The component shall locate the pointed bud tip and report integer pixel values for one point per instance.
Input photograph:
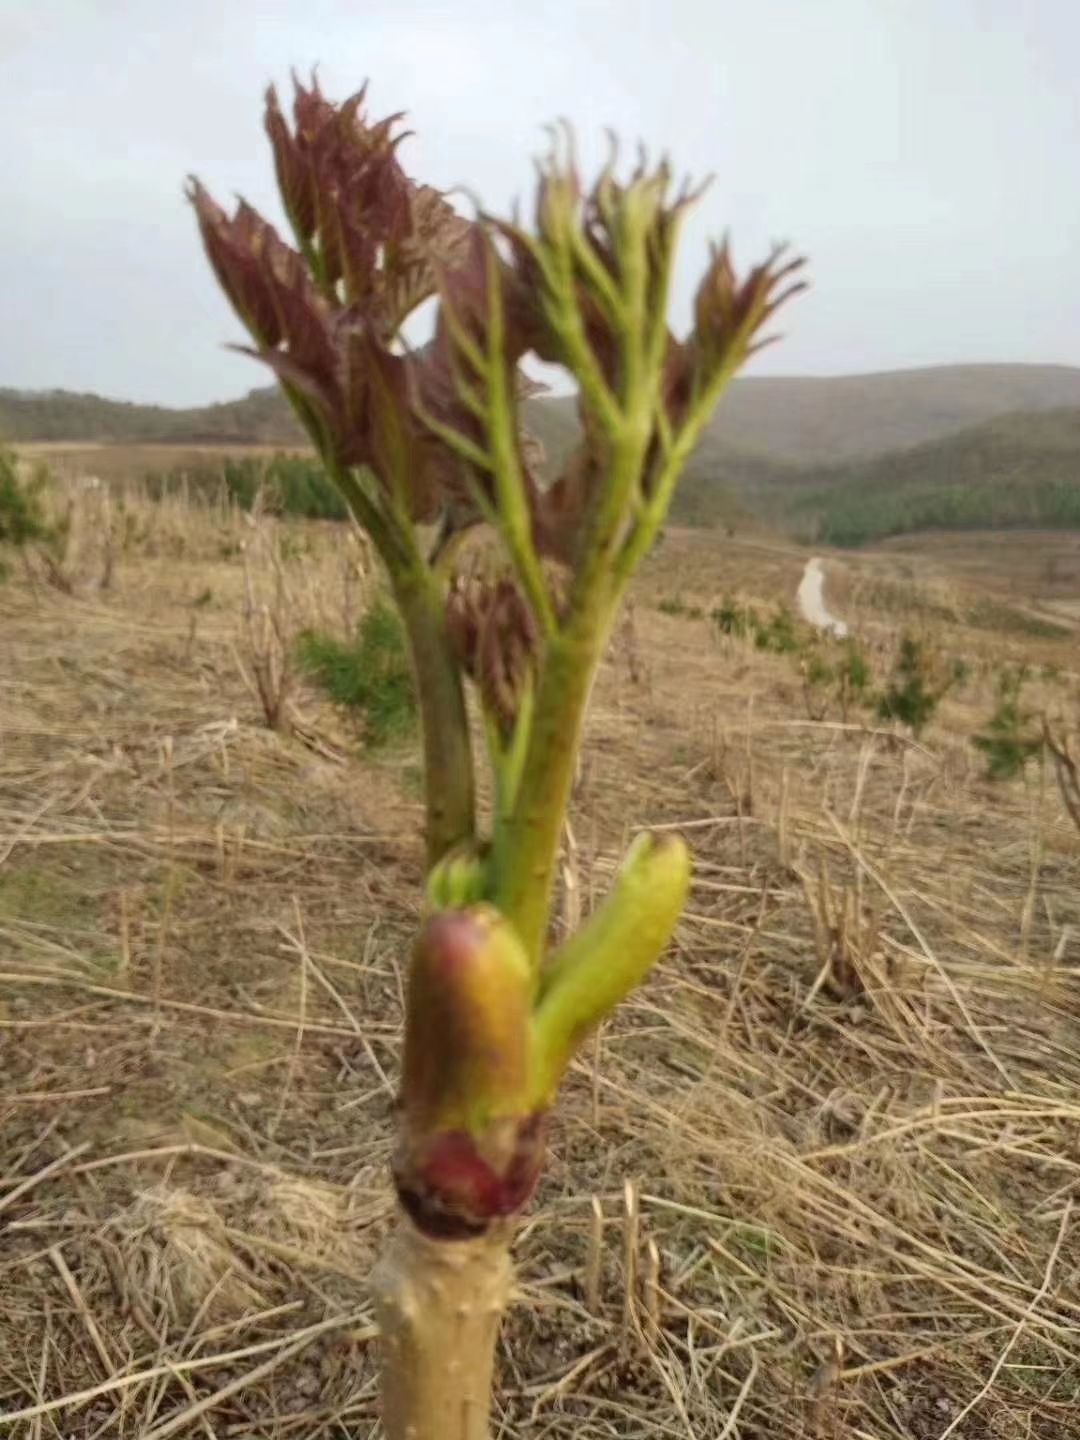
(453, 940)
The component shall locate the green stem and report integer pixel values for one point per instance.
(502, 430)
(527, 847)
(448, 759)
(641, 371)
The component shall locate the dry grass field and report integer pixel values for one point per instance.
(817, 1180)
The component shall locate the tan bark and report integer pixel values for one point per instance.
(438, 1304)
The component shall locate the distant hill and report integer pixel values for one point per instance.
(844, 460)
(261, 417)
(1014, 469)
(1017, 471)
(803, 419)
(808, 419)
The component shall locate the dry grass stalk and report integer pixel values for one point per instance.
(1037, 849)
(72, 1288)
(650, 1291)
(266, 662)
(628, 648)
(846, 937)
(631, 1242)
(302, 1004)
(594, 1256)
(570, 874)
(783, 837)
(1066, 771)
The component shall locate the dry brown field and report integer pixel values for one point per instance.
(825, 1163)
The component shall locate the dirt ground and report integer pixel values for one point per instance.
(825, 1162)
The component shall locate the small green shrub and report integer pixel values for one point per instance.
(853, 678)
(22, 510)
(919, 682)
(25, 524)
(370, 674)
(779, 634)
(299, 486)
(289, 485)
(818, 677)
(1009, 741)
(840, 675)
(732, 618)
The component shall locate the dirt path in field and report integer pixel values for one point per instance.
(811, 600)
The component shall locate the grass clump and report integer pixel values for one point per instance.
(22, 509)
(731, 617)
(840, 675)
(777, 634)
(25, 523)
(675, 605)
(284, 485)
(852, 677)
(919, 682)
(1009, 740)
(369, 673)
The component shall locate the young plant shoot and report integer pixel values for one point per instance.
(432, 437)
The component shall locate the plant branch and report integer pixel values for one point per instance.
(515, 521)
(676, 453)
(563, 315)
(448, 758)
(645, 255)
(508, 759)
(527, 849)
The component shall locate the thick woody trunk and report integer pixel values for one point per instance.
(438, 1304)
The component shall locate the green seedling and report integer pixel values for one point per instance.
(432, 437)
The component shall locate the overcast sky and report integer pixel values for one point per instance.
(925, 154)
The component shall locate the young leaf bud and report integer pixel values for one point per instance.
(609, 956)
(471, 1146)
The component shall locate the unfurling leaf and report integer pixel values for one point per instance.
(496, 639)
(611, 954)
(268, 286)
(730, 313)
(354, 211)
(460, 877)
(325, 316)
